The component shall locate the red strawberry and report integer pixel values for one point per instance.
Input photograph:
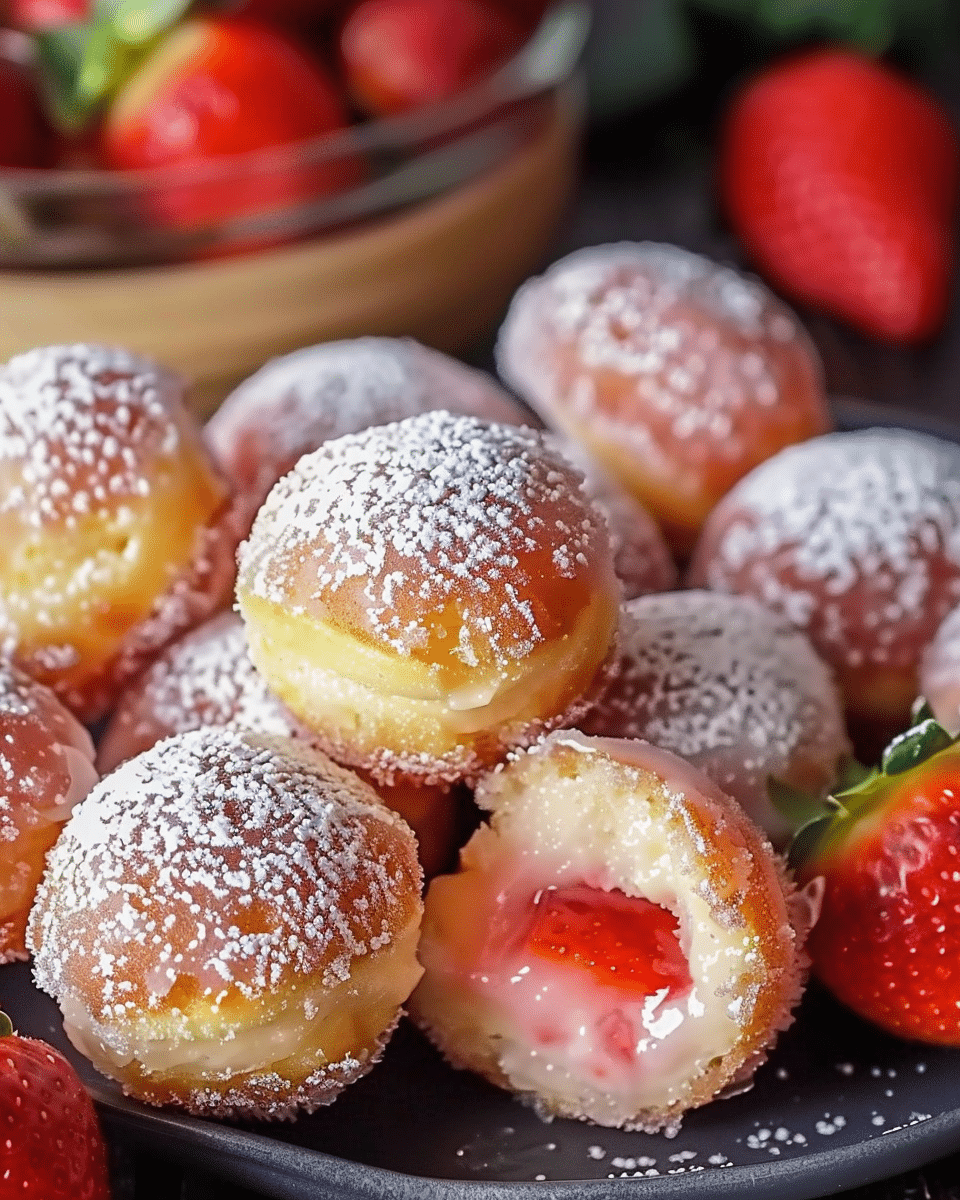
(51, 1148)
(47, 14)
(840, 177)
(221, 86)
(887, 943)
(399, 54)
(25, 138)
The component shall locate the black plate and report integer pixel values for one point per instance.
(839, 1104)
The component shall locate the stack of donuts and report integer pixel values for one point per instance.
(454, 630)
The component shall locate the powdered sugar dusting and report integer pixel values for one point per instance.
(729, 686)
(434, 513)
(854, 536)
(41, 747)
(236, 859)
(94, 442)
(204, 679)
(641, 557)
(46, 767)
(80, 423)
(702, 342)
(296, 403)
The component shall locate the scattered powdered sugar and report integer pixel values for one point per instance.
(294, 404)
(82, 425)
(89, 436)
(46, 767)
(44, 752)
(434, 513)
(701, 342)
(234, 859)
(729, 686)
(205, 679)
(641, 557)
(873, 515)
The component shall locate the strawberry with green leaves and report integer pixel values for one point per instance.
(219, 86)
(51, 1148)
(887, 943)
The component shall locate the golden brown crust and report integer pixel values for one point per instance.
(678, 374)
(222, 897)
(426, 595)
(46, 767)
(580, 809)
(116, 524)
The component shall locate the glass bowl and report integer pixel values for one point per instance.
(438, 216)
(87, 219)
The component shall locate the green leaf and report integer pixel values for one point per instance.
(915, 746)
(920, 710)
(104, 60)
(852, 776)
(60, 54)
(6, 1026)
(792, 803)
(637, 52)
(137, 22)
(807, 839)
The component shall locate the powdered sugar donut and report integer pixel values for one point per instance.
(296, 403)
(733, 689)
(426, 595)
(678, 374)
(620, 943)
(641, 557)
(46, 767)
(229, 924)
(115, 523)
(204, 679)
(207, 679)
(855, 539)
(940, 672)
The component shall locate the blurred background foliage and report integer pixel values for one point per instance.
(642, 50)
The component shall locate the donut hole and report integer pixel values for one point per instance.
(617, 944)
(241, 925)
(46, 766)
(678, 374)
(426, 596)
(360, 700)
(92, 581)
(216, 1053)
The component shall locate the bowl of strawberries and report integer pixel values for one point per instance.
(215, 184)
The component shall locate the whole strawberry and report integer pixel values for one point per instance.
(219, 86)
(51, 1148)
(399, 54)
(887, 943)
(840, 177)
(46, 14)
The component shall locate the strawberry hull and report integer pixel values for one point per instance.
(888, 940)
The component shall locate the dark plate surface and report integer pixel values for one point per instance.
(839, 1104)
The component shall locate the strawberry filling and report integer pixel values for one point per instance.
(622, 941)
